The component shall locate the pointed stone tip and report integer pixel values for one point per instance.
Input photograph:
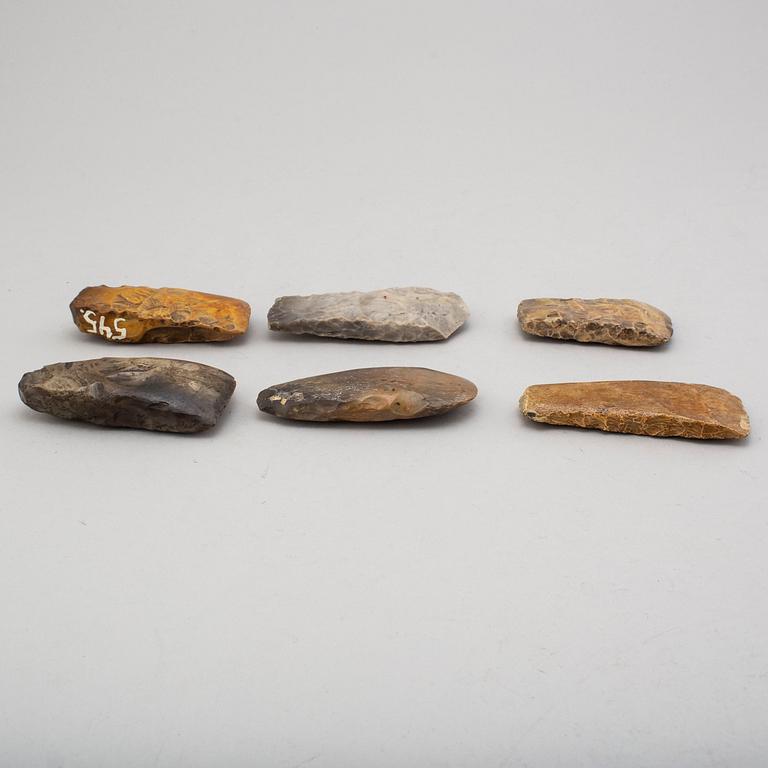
(744, 428)
(265, 402)
(22, 387)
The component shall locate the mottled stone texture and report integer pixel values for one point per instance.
(392, 314)
(368, 394)
(606, 321)
(656, 408)
(142, 392)
(132, 314)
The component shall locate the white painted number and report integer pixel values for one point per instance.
(104, 330)
(88, 317)
(115, 333)
(120, 330)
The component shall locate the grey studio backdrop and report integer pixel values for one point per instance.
(471, 591)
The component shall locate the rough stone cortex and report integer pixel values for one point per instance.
(607, 321)
(656, 408)
(392, 314)
(142, 392)
(135, 314)
(368, 394)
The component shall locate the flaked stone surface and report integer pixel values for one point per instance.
(656, 408)
(133, 314)
(142, 392)
(368, 394)
(625, 322)
(392, 314)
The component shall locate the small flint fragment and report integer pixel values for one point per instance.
(392, 314)
(141, 392)
(134, 314)
(623, 322)
(368, 394)
(655, 408)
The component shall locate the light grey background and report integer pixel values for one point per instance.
(476, 591)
